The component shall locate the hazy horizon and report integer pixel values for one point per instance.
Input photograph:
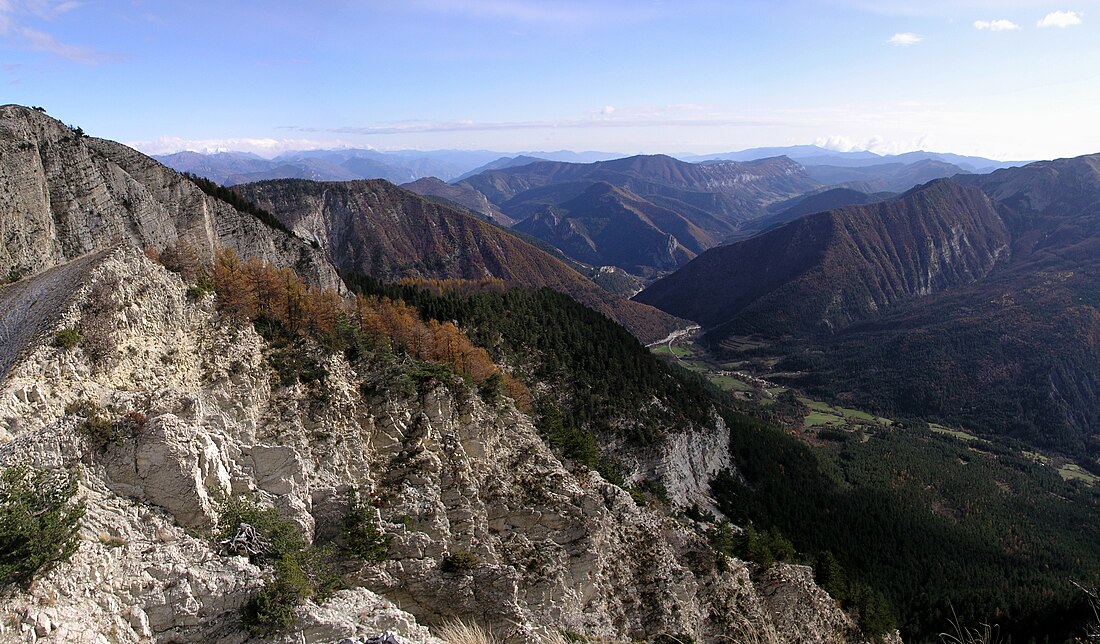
(1002, 80)
(675, 154)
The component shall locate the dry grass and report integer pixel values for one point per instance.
(964, 635)
(457, 632)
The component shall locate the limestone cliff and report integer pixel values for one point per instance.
(548, 549)
(63, 194)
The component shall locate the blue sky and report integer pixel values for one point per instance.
(1008, 79)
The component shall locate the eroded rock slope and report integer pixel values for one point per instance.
(547, 548)
(65, 195)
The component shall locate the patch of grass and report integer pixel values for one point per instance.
(463, 633)
(955, 433)
(729, 383)
(678, 351)
(816, 418)
(1074, 472)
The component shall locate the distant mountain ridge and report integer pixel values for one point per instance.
(982, 312)
(825, 271)
(812, 155)
(609, 226)
(347, 164)
(887, 177)
(378, 229)
(501, 163)
(815, 202)
(459, 194)
(731, 192)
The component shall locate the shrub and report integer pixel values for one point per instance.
(100, 430)
(67, 338)
(273, 609)
(300, 571)
(94, 424)
(97, 321)
(281, 536)
(39, 522)
(459, 561)
(289, 354)
(764, 548)
(493, 388)
(182, 258)
(362, 537)
(200, 289)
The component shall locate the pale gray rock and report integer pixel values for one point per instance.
(486, 525)
(66, 196)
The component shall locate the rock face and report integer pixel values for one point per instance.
(486, 524)
(66, 195)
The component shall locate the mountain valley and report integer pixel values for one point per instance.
(321, 407)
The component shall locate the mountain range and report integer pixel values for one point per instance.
(206, 436)
(376, 229)
(347, 164)
(726, 199)
(291, 409)
(970, 300)
(813, 155)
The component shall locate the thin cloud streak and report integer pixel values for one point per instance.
(12, 18)
(41, 41)
(562, 14)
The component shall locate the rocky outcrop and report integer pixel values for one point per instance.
(486, 524)
(66, 195)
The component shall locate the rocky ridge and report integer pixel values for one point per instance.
(66, 194)
(552, 548)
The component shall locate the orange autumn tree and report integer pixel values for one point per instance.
(253, 289)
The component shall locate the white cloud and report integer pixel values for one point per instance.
(836, 144)
(263, 147)
(1061, 19)
(876, 144)
(996, 25)
(905, 39)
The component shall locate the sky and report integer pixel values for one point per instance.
(1004, 79)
